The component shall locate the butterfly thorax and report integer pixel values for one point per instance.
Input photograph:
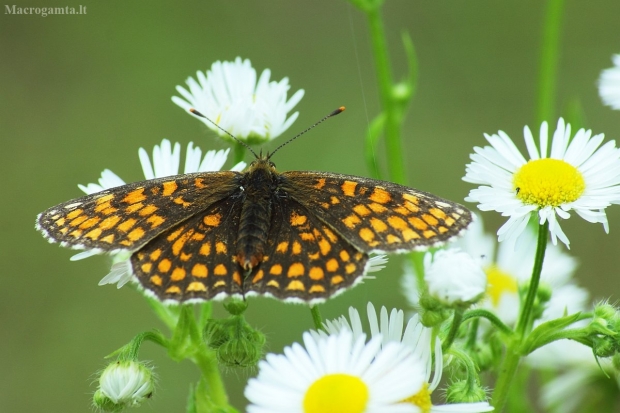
(258, 185)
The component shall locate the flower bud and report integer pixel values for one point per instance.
(432, 311)
(243, 351)
(462, 391)
(124, 384)
(236, 307)
(454, 277)
(605, 311)
(603, 347)
(235, 342)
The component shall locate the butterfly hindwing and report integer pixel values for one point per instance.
(305, 259)
(194, 259)
(377, 215)
(125, 217)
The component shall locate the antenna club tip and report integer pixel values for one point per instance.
(337, 111)
(195, 112)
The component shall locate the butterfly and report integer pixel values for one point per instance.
(297, 235)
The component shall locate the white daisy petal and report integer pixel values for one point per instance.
(609, 84)
(108, 180)
(531, 145)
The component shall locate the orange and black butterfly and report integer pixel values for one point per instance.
(296, 235)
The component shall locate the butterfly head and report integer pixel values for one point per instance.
(262, 162)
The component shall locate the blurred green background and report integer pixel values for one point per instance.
(82, 93)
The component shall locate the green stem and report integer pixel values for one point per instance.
(316, 317)
(238, 152)
(207, 363)
(480, 312)
(547, 77)
(370, 148)
(393, 144)
(473, 334)
(454, 329)
(524, 323)
(513, 352)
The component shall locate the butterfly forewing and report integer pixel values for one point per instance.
(125, 217)
(306, 259)
(377, 215)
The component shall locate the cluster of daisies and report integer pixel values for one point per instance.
(395, 365)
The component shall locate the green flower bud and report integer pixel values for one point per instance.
(462, 391)
(603, 347)
(235, 342)
(242, 352)
(432, 311)
(605, 311)
(216, 333)
(236, 307)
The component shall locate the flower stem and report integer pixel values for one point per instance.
(394, 151)
(238, 152)
(207, 363)
(316, 317)
(513, 352)
(524, 323)
(456, 323)
(547, 76)
(481, 312)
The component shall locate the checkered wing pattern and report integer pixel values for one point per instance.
(194, 260)
(306, 259)
(128, 216)
(376, 215)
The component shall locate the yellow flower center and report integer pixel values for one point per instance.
(548, 182)
(336, 393)
(498, 283)
(422, 399)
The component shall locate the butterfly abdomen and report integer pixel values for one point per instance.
(255, 217)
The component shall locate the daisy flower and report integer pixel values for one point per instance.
(166, 162)
(230, 96)
(336, 374)
(508, 267)
(416, 337)
(578, 174)
(609, 84)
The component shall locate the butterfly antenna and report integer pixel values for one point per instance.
(334, 113)
(195, 112)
